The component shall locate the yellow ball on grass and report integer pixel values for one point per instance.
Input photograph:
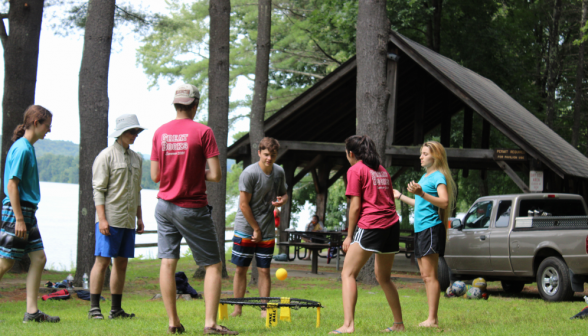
(281, 274)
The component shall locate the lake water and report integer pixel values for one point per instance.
(58, 222)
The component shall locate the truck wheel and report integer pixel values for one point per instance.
(443, 274)
(553, 280)
(512, 287)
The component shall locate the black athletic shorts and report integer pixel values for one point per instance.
(430, 241)
(383, 241)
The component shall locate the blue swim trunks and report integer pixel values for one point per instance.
(120, 243)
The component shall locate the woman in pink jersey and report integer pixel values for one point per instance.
(373, 212)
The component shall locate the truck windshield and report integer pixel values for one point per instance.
(553, 207)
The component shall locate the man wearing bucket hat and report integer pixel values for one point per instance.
(181, 150)
(116, 180)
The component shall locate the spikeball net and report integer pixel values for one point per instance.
(271, 304)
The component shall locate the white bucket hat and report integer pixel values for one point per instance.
(124, 123)
(185, 94)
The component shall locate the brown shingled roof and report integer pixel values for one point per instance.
(500, 109)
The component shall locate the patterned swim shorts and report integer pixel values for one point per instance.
(11, 246)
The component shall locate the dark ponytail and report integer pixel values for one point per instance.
(364, 149)
(32, 113)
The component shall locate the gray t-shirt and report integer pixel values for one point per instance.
(263, 189)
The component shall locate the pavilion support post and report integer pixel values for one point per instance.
(446, 131)
(286, 211)
(246, 161)
(419, 117)
(468, 123)
(485, 145)
(511, 173)
(391, 78)
(322, 182)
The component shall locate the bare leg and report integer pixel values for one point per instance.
(383, 269)
(428, 266)
(118, 274)
(5, 266)
(38, 260)
(97, 274)
(239, 287)
(167, 283)
(354, 261)
(264, 285)
(212, 289)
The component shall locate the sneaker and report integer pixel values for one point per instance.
(95, 314)
(39, 316)
(119, 314)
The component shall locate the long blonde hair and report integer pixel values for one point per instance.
(440, 164)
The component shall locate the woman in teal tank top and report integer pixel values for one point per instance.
(434, 200)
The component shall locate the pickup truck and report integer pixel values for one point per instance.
(521, 239)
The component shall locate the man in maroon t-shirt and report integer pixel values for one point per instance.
(181, 149)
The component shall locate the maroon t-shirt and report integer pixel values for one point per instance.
(181, 147)
(378, 210)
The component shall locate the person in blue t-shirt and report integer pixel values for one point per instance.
(434, 199)
(20, 234)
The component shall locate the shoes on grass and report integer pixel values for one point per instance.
(39, 316)
(176, 330)
(95, 314)
(114, 314)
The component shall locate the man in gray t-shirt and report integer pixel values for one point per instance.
(262, 187)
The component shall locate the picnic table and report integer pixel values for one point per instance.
(316, 241)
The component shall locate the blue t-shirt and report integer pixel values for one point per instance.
(21, 162)
(426, 215)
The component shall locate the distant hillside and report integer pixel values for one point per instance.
(56, 147)
(59, 162)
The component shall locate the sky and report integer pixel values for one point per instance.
(60, 59)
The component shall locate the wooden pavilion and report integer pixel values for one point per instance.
(427, 89)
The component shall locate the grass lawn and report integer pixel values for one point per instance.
(525, 314)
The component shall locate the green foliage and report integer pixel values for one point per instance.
(336, 206)
(146, 181)
(76, 13)
(233, 184)
(310, 38)
(58, 168)
(57, 147)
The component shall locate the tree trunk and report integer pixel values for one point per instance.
(579, 79)
(256, 130)
(434, 25)
(218, 111)
(264, 30)
(372, 94)
(552, 64)
(21, 55)
(93, 104)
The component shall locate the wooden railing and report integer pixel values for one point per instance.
(155, 244)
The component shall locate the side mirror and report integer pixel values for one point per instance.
(456, 224)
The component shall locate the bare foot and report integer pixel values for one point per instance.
(263, 313)
(429, 324)
(394, 328)
(235, 313)
(343, 330)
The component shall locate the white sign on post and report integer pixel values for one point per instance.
(536, 181)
